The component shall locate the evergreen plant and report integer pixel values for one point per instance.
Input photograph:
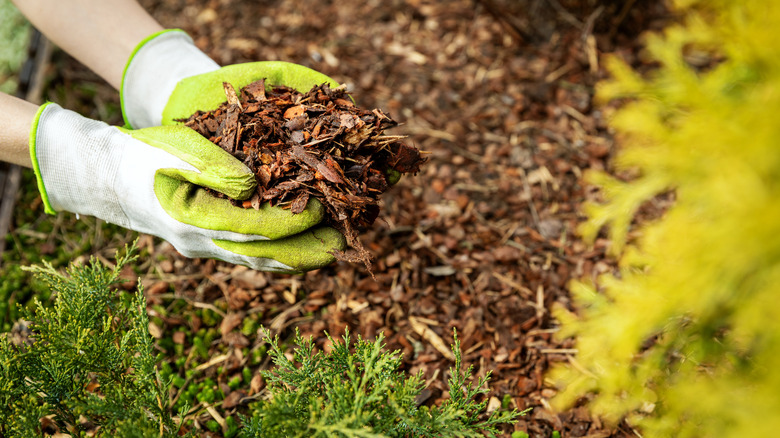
(359, 391)
(89, 366)
(89, 363)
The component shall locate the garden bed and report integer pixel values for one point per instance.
(482, 239)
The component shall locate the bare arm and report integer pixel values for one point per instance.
(16, 116)
(101, 34)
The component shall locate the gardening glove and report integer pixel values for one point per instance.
(151, 180)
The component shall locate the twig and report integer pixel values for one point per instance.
(540, 302)
(208, 306)
(215, 360)
(558, 73)
(590, 41)
(429, 335)
(506, 20)
(559, 350)
(531, 206)
(512, 283)
(215, 415)
(280, 321)
(587, 29)
(579, 367)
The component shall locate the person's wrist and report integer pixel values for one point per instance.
(154, 68)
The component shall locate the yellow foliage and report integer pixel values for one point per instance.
(685, 341)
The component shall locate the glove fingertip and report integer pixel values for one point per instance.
(303, 252)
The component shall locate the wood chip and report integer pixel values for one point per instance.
(231, 321)
(429, 335)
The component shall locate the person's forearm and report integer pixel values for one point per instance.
(16, 116)
(99, 33)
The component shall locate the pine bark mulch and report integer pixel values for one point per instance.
(316, 144)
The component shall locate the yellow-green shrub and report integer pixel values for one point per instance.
(685, 339)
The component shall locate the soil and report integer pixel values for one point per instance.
(484, 238)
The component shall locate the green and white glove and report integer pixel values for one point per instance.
(151, 180)
(168, 78)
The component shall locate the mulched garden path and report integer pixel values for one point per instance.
(483, 239)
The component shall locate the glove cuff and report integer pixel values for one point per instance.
(75, 164)
(156, 65)
(34, 157)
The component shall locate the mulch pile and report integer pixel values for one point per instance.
(316, 144)
(484, 238)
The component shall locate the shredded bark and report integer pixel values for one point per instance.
(317, 144)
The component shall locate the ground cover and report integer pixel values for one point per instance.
(482, 239)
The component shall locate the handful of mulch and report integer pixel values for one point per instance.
(312, 145)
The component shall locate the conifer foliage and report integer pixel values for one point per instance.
(89, 362)
(359, 391)
(684, 339)
(89, 366)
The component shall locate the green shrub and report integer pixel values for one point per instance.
(90, 361)
(90, 366)
(684, 339)
(362, 393)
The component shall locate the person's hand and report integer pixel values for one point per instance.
(168, 78)
(151, 180)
